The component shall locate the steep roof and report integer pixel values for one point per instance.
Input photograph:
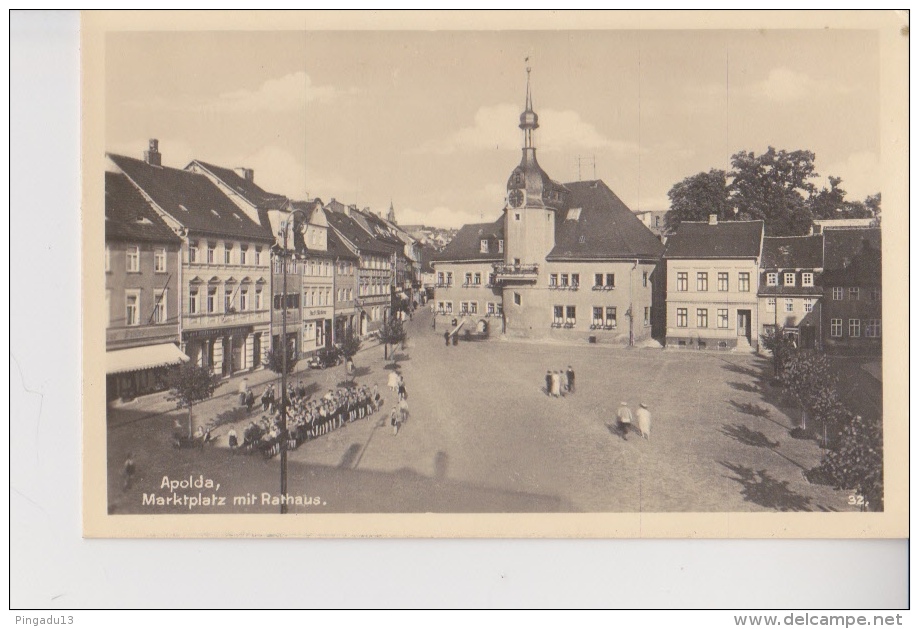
(337, 248)
(467, 244)
(246, 188)
(792, 252)
(727, 239)
(351, 231)
(597, 225)
(191, 199)
(842, 246)
(128, 216)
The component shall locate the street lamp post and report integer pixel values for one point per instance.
(285, 256)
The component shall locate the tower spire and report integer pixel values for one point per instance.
(529, 121)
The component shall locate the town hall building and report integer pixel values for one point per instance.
(568, 261)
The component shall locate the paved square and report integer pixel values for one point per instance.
(483, 437)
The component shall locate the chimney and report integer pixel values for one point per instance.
(712, 219)
(246, 173)
(152, 155)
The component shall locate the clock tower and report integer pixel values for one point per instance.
(532, 200)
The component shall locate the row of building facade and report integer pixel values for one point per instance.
(569, 261)
(203, 264)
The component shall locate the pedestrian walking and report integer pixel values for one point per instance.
(548, 382)
(563, 377)
(403, 411)
(129, 470)
(570, 374)
(232, 439)
(250, 401)
(243, 390)
(644, 421)
(447, 338)
(556, 385)
(394, 420)
(624, 417)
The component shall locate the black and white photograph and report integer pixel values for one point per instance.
(649, 278)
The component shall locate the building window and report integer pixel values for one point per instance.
(598, 316)
(192, 252)
(243, 253)
(598, 280)
(701, 317)
(108, 259)
(159, 260)
(131, 307)
(440, 278)
(193, 301)
(449, 278)
(473, 307)
(874, 293)
(723, 316)
(211, 253)
(570, 315)
(789, 305)
(500, 246)
(611, 316)
(873, 328)
(558, 315)
(772, 279)
(808, 304)
(243, 298)
(723, 282)
(258, 256)
(464, 307)
(682, 281)
(837, 293)
(228, 299)
(682, 317)
(807, 279)
(611, 280)
(553, 279)
(227, 253)
(770, 304)
(483, 246)
(836, 328)
(855, 328)
(477, 279)
(564, 280)
(853, 293)
(647, 315)
(490, 308)
(259, 304)
(468, 279)
(212, 299)
(789, 279)
(702, 281)
(743, 282)
(516, 216)
(159, 309)
(132, 259)
(575, 280)
(517, 299)
(644, 279)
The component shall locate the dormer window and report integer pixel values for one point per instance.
(483, 247)
(574, 214)
(789, 279)
(772, 279)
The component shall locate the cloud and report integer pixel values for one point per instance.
(290, 92)
(784, 85)
(496, 127)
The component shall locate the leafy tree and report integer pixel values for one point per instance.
(350, 344)
(189, 384)
(696, 197)
(807, 376)
(831, 203)
(391, 333)
(857, 463)
(274, 359)
(782, 347)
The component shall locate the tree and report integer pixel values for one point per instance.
(350, 345)
(857, 462)
(274, 359)
(696, 197)
(781, 345)
(189, 384)
(391, 333)
(807, 376)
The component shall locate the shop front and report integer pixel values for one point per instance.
(225, 350)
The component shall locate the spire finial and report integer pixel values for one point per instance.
(529, 104)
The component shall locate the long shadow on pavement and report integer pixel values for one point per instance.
(760, 488)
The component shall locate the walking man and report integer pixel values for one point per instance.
(570, 374)
(548, 382)
(447, 338)
(624, 416)
(129, 470)
(644, 421)
(394, 420)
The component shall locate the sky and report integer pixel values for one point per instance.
(428, 120)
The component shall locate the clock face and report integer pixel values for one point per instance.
(515, 198)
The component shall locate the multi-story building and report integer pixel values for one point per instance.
(712, 271)
(655, 221)
(375, 270)
(465, 283)
(852, 290)
(141, 292)
(225, 274)
(576, 263)
(790, 288)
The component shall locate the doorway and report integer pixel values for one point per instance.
(743, 324)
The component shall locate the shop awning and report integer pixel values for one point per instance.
(138, 358)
